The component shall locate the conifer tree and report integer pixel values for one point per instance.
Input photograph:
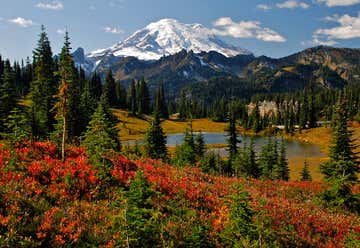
(305, 173)
(268, 159)
(143, 98)
(185, 154)
(200, 145)
(98, 139)
(160, 102)
(281, 170)
(87, 105)
(155, 140)
(68, 78)
(110, 89)
(17, 126)
(232, 137)
(7, 94)
(132, 97)
(121, 95)
(43, 88)
(342, 168)
(95, 87)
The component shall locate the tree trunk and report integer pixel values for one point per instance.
(63, 140)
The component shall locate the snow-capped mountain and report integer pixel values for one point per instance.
(167, 37)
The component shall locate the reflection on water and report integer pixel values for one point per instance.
(294, 148)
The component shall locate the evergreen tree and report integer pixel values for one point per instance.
(281, 170)
(17, 126)
(268, 159)
(199, 145)
(110, 89)
(87, 105)
(43, 88)
(245, 162)
(160, 103)
(185, 154)
(7, 94)
(95, 87)
(121, 95)
(342, 168)
(305, 173)
(141, 216)
(255, 119)
(63, 106)
(98, 139)
(132, 97)
(155, 140)
(143, 98)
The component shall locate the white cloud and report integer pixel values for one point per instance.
(51, 6)
(333, 3)
(113, 30)
(263, 7)
(225, 26)
(292, 4)
(22, 22)
(348, 28)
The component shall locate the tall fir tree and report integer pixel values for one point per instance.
(7, 94)
(66, 89)
(17, 127)
(232, 142)
(132, 97)
(110, 89)
(200, 148)
(155, 140)
(143, 98)
(160, 102)
(305, 175)
(342, 168)
(121, 95)
(43, 88)
(95, 87)
(98, 139)
(281, 169)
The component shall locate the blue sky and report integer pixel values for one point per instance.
(274, 28)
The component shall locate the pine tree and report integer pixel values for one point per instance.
(155, 140)
(185, 154)
(143, 98)
(232, 137)
(305, 173)
(268, 159)
(132, 97)
(87, 105)
(63, 106)
(160, 103)
(43, 88)
(17, 126)
(7, 94)
(95, 87)
(199, 145)
(121, 96)
(110, 89)
(255, 119)
(281, 170)
(98, 139)
(342, 168)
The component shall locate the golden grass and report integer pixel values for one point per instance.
(133, 128)
(296, 165)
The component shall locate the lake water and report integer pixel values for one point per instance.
(294, 148)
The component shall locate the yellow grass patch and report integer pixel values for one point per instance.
(133, 128)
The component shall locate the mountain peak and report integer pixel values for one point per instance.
(167, 37)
